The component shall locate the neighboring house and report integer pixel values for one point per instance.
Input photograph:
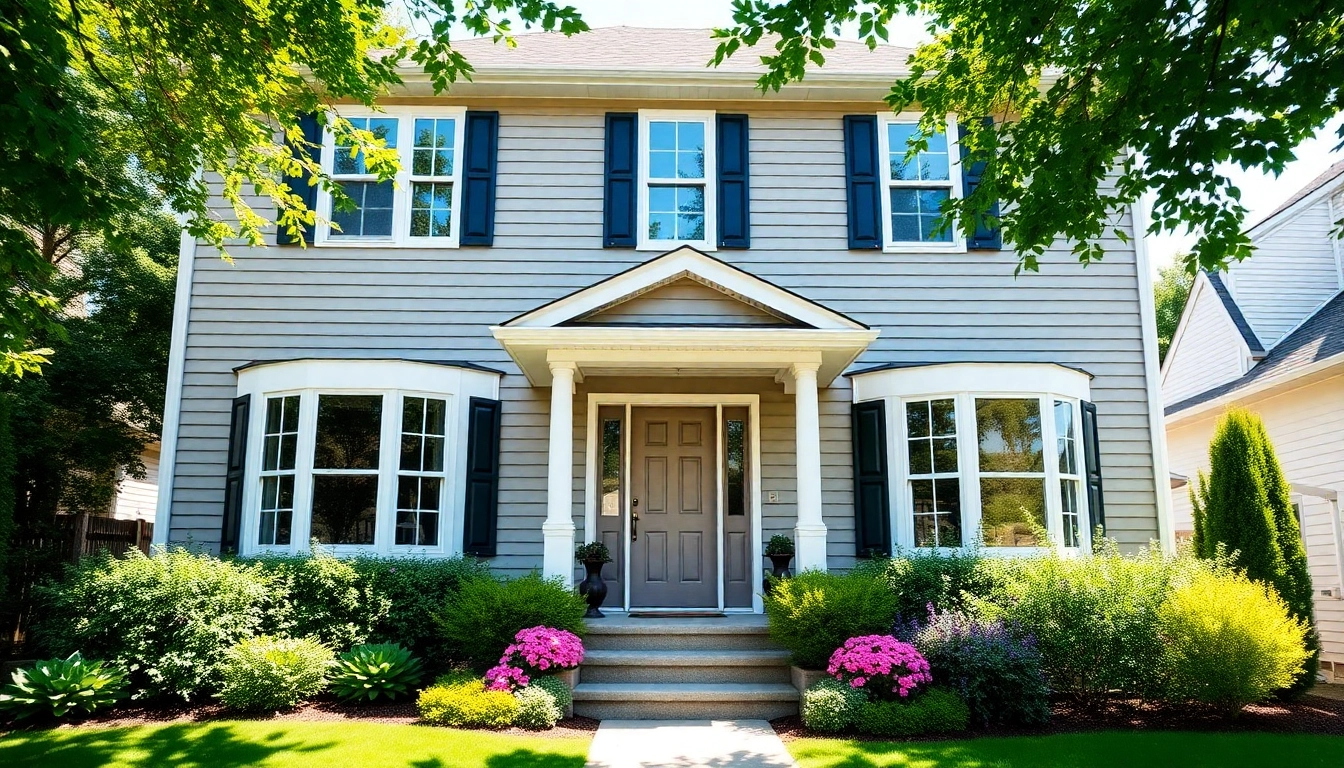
(618, 296)
(138, 499)
(1269, 335)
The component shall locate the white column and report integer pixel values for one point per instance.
(810, 532)
(558, 530)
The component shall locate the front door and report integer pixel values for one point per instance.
(674, 509)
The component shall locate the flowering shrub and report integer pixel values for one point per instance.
(534, 650)
(880, 663)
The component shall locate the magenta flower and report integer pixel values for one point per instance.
(542, 649)
(881, 663)
(506, 678)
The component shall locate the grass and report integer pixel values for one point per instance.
(269, 744)
(1080, 750)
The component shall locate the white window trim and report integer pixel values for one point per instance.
(401, 186)
(884, 119)
(393, 380)
(964, 382)
(710, 243)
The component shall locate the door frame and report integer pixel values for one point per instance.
(718, 402)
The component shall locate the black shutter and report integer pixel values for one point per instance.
(233, 482)
(1092, 463)
(986, 238)
(734, 182)
(622, 168)
(862, 187)
(300, 185)
(480, 146)
(872, 495)
(481, 511)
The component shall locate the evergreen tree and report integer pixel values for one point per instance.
(1245, 505)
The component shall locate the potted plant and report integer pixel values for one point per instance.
(593, 555)
(780, 551)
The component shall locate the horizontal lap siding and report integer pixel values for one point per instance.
(1209, 352)
(438, 304)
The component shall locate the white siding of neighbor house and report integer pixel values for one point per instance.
(1294, 270)
(1209, 351)
(437, 304)
(1306, 426)
(136, 499)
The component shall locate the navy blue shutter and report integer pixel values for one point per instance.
(1092, 465)
(233, 476)
(734, 182)
(986, 238)
(481, 514)
(622, 170)
(478, 178)
(862, 185)
(300, 185)
(872, 494)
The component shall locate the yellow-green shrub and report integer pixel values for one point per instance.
(1228, 641)
(466, 703)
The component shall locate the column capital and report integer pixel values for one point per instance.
(557, 366)
(804, 369)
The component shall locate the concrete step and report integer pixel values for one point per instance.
(685, 701)
(683, 666)
(735, 633)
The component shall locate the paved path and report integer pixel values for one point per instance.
(1328, 691)
(687, 744)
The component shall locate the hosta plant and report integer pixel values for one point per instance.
(57, 686)
(370, 671)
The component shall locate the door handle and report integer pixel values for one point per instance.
(634, 520)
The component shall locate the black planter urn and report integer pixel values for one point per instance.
(780, 569)
(593, 588)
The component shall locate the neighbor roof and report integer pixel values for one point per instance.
(1234, 311)
(1329, 175)
(1319, 338)
(659, 50)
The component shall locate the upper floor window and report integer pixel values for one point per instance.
(917, 188)
(677, 185)
(421, 205)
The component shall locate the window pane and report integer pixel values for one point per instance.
(930, 164)
(277, 505)
(431, 209)
(433, 454)
(412, 414)
(947, 501)
(1010, 434)
(691, 227)
(412, 448)
(662, 199)
(1065, 448)
(418, 502)
(372, 216)
(917, 419)
(274, 410)
(662, 226)
(270, 453)
(945, 454)
(345, 508)
(691, 165)
(662, 165)
(904, 201)
(737, 467)
(345, 162)
(435, 416)
(1068, 493)
(662, 135)
(348, 431)
(1012, 511)
(944, 414)
(611, 468)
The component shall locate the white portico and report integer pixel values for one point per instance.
(681, 315)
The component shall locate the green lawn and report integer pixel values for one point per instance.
(271, 744)
(1080, 750)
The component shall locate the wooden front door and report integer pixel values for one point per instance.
(674, 509)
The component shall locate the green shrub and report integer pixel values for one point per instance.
(270, 673)
(466, 703)
(944, 580)
(830, 706)
(557, 688)
(167, 619)
(1229, 641)
(57, 686)
(369, 671)
(814, 612)
(326, 598)
(995, 671)
(416, 589)
(479, 620)
(537, 708)
(1094, 619)
(934, 711)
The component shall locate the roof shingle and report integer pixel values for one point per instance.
(1234, 311)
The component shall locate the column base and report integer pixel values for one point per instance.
(557, 553)
(811, 545)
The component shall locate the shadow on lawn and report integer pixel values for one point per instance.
(180, 746)
(518, 758)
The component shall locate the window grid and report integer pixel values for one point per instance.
(932, 464)
(373, 215)
(279, 450)
(420, 477)
(1070, 477)
(433, 157)
(677, 166)
(917, 188)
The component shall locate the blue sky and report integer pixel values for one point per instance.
(1261, 193)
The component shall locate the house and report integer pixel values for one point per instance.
(138, 498)
(1268, 334)
(618, 296)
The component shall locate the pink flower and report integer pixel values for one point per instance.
(541, 649)
(882, 663)
(506, 678)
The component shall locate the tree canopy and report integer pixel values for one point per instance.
(1096, 102)
(1170, 292)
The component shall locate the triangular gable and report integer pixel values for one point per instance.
(1207, 349)
(686, 300)
(759, 299)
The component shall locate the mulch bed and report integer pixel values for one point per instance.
(323, 709)
(1310, 714)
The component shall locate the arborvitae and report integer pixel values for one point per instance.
(1245, 504)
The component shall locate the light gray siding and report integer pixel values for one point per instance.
(438, 304)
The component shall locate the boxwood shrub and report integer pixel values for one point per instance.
(479, 620)
(936, 710)
(815, 612)
(830, 706)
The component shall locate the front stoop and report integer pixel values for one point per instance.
(680, 668)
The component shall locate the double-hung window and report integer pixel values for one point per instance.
(915, 189)
(420, 206)
(677, 196)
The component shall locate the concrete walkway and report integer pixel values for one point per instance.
(687, 744)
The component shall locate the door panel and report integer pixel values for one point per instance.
(739, 582)
(674, 552)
